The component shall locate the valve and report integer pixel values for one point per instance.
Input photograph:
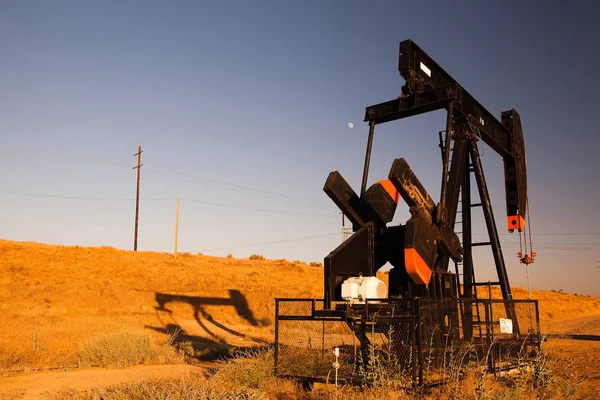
(336, 364)
(527, 259)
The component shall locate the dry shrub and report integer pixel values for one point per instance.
(15, 394)
(183, 388)
(250, 376)
(299, 361)
(10, 358)
(166, 353)
(281, 389)
(249, 369)
(349, 392)
(67, 295)
(256, 257)
(119, 350)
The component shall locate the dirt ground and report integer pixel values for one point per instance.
(54, 298)
(579, 352)
(37, 383)
(579, 359)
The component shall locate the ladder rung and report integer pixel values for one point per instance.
(476, 205)
(481, 244)
(486, 284)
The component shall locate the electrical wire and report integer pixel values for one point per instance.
(70, 157)
(268, 243)
(546, 234)
(256, 209)
(237, 188)
(165, 198)
(81, 198)
(272, 195)
(529, 230)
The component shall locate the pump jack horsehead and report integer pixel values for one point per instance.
(420, 250)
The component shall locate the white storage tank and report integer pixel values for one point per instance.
(362, 288)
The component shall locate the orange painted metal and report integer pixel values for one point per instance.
(390, 189)
(515, 222)
(417, 269)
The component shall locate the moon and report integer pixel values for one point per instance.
(350, 125)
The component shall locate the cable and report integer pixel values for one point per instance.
(529, 230)
(81, 198)
(158, 169)
(547, 234)
(256, 209)
(70, 157)
(267, 243)
(272, 195)
(240, 189)
(165, 198)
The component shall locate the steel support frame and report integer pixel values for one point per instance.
(464, 155)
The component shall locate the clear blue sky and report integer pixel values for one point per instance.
(247, 104)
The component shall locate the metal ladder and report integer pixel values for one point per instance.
(458, 266)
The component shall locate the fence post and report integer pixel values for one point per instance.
(413, 350)
(537, 319)
(276, 351)
(491, 342)
(419, 338)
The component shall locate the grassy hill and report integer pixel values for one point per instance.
(54, 300)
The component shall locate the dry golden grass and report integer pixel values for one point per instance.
(554, 306)
(252, 378)
(54, 299)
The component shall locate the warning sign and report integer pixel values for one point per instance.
(506, 325)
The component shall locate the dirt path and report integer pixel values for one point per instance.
(589, 325)
(38, 382)
(575, 343)
(580, 358)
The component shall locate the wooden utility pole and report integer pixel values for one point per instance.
(137, 196)
(176, 226)
(345, 231)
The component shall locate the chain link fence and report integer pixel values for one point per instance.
(421, 340)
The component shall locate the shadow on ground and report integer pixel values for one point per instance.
(574, 336)
(203, 340)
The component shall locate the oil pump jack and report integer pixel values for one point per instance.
(420, 251)
(431, 298)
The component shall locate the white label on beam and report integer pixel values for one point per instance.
(425, 69)
(506, 325)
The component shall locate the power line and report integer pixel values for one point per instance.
(547, 234)
(272, 195)
(259, 210)
(69, 157)
(218, 182)
(165, 198)
(550, 246)
(255, 209)
(51, 196)
(267, 243)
